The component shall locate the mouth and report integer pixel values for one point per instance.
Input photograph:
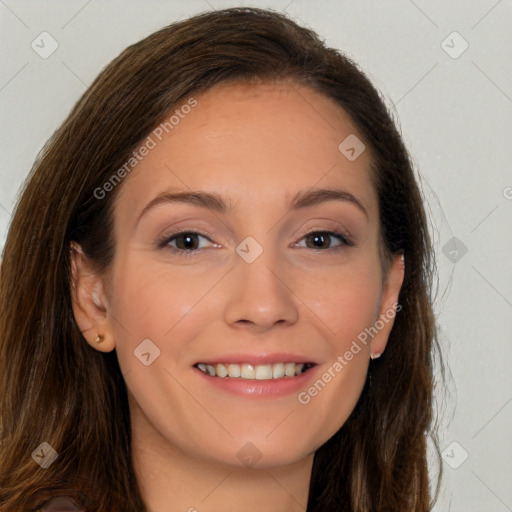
(246, 371)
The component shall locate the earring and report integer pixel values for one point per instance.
(99, 338)
(375, 356)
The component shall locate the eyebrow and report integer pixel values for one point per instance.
(215, 202)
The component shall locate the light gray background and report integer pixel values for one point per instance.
(455, 114)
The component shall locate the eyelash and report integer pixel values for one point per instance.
(164, 241)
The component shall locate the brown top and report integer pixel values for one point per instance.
(61, 504)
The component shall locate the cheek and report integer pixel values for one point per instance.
(344, 300)
(151, 301)
(333, 394)
(162, 305)
(151, 314)
(167, 305)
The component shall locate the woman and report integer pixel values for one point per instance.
(281, 357)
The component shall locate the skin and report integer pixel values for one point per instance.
(256, 146)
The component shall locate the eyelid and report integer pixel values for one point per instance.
(164, 240)
(336, 229)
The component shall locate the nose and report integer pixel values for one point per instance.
(259, 295)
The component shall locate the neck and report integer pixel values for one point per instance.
(173, 481)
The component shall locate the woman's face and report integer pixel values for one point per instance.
(252, 281)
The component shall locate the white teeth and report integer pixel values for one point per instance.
(221, 370)
(278, 371)
(289, 369)
(234, 370)
(251, 372)
(264, 372)
(247, 371)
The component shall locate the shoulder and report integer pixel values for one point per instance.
(61, 504)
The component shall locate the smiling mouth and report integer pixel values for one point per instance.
(254, 372)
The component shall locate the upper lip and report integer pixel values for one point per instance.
(256, 359)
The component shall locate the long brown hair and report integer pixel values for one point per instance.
(57, 389)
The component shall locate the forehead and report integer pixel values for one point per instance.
(257, 145)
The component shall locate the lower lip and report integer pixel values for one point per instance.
(260, 388)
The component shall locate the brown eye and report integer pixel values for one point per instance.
(189, 241)
(186, 242)
(322, 240)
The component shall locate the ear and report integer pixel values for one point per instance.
(90, 306)
(389, 306)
